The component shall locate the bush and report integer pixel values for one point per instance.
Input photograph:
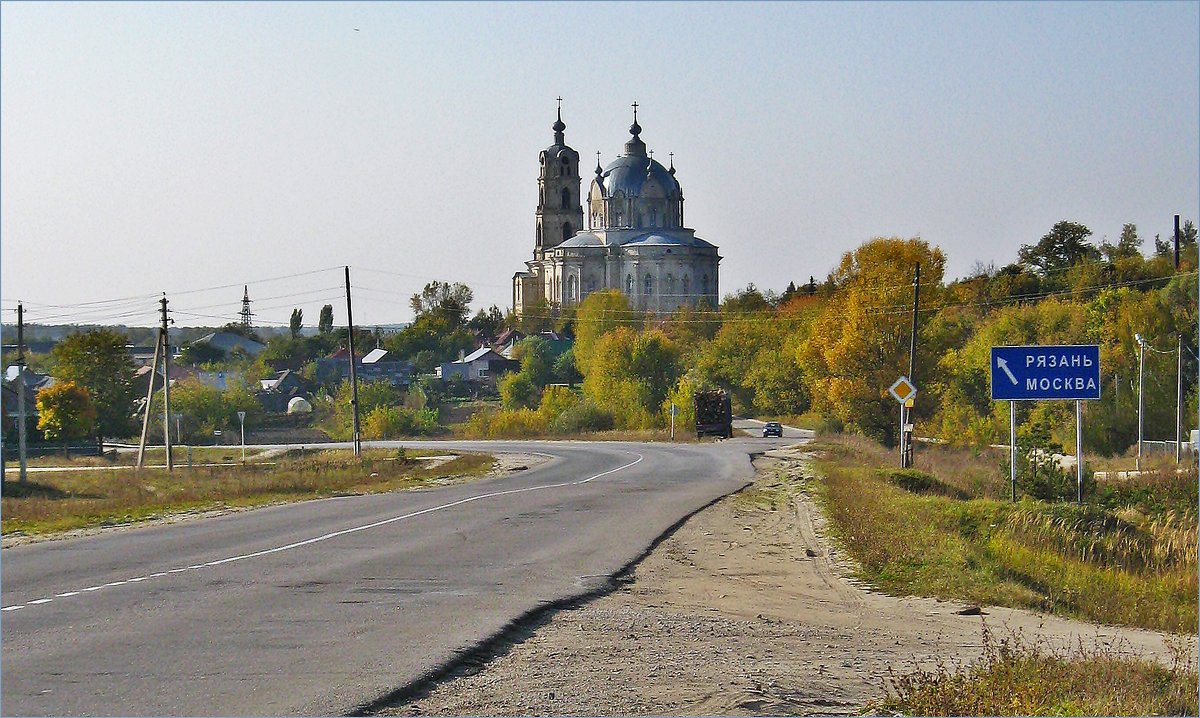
(582, 417)
(390, 422)
(517, 391)
(919, 482)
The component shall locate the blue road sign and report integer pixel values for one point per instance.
(1046, 372)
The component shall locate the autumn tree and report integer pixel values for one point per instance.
(98, 361)
(65, 412)
(858, 344)
(631, 373)
(598, 314)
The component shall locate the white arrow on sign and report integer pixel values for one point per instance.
(1004, 366)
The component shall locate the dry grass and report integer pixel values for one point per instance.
(1125, 566)
(1018, 678)
(54, 502)
(154, 455)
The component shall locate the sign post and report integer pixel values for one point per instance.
(242, 421)
(674, 412)
(903, 391)
(1041, 373)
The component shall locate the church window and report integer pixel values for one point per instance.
(539, 235)
(654, 217)
(704, 284)
(686, 287)
(566, 198)
(572, 289)
(649, 283)
(629, 284)
(670, 285)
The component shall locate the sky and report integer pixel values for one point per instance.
(193, 148)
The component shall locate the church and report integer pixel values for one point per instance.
(634, 240)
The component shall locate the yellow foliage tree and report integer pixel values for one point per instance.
(859, 342)
(65, 412)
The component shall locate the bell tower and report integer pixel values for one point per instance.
(559, 210)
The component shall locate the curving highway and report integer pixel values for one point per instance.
(323, 606)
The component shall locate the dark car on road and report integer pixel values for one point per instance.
(772, 428)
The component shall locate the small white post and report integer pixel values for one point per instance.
(673, 410)
(1012, 445)
(242, 421)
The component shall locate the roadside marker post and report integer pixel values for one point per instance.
(242, 421)
(1041, 373)
(904, 392)
(674, 412)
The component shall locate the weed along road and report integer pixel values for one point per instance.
(323, 606)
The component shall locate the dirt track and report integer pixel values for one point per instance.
(742, 611)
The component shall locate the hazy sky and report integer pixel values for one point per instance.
(150, 147)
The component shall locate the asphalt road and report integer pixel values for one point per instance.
(322, 606)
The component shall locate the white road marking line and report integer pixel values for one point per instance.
(345, 532)
(68, 593)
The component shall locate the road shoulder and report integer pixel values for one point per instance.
(746, 609)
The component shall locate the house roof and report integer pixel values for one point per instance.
(374, 355)
(227, 342)
(478, 354)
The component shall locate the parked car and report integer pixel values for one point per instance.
(772, 428)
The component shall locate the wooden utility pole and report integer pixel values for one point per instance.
(906, 438)
(353, 369)
(1176, 243)
(166, 350)
(158, 347)
(21, 392)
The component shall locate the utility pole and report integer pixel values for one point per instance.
(906, 440)
(21, 392)
(158, 345)
(353, 370)
(1176, 243)
(166, 350)
(1141, 399)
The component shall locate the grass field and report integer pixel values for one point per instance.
(154, 455)
(59, 501)
(1128, 557)
(1016, 678)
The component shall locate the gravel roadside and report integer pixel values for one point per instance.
(744, 610)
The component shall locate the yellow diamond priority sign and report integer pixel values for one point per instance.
(903, 390)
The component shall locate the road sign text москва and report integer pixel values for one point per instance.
(1046, 372)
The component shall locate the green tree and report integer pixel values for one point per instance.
(1060, 248)
(450, 301)
(297, 321)
(487, 323)
(65, 412)
(537, 361)
(325, 321)
(746, 301)
(98, 361)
